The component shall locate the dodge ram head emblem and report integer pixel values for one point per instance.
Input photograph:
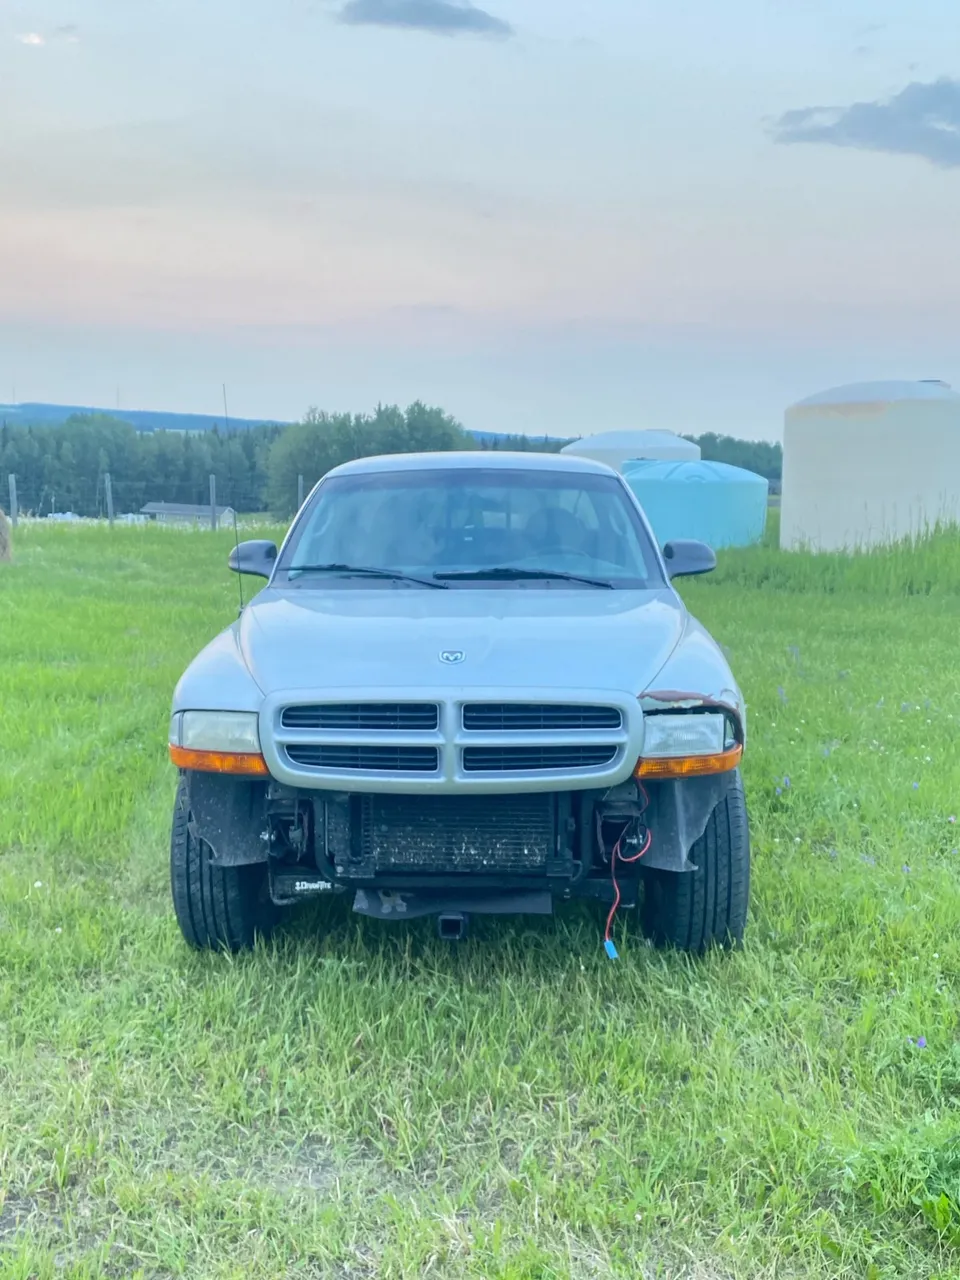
(451, 656)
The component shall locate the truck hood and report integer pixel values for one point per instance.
(517, 637)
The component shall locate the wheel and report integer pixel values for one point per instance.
(217, 908)
(695, 910)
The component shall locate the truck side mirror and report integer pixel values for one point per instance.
(256, 557)
(685, 557)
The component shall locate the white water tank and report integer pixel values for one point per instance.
(869, 463)
(617, 447)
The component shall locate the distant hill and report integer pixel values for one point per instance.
(54, 415)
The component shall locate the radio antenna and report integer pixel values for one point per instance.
(236, 533)
(236, 542)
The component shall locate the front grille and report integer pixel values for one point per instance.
(520, 717)
(379, 759)
(531, 759)
(443, 834)
(398, 716)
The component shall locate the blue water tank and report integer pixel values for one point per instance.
(718, 504)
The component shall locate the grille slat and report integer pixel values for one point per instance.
(397, 716)
(364, 759)
(442, 834)
(532, 759)
(520, 717)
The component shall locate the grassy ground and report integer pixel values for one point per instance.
(358, 1100)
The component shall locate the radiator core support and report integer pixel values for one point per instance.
(390, 838)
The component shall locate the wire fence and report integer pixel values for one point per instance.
(217, 504)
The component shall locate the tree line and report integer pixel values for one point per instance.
(761, 456)
(62, 467)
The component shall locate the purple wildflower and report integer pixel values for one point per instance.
(921, 1042)
(779, 791)
(952, 818)
(786, 782)
(870, 861)
(905, 869)
(916, 786)
(781, 693)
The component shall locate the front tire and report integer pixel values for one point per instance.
(696, 910)
(217, 908)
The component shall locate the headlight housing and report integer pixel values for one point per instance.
(686, 744)
(217, 742)
(682, 734)
(216, 730)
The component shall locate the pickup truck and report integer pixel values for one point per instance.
(467, 686)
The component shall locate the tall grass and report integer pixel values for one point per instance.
(928, 565)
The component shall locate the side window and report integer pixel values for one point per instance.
(618, 520)
(582, 505)
(322, 539)
(585, 509)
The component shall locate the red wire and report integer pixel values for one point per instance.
(615, 855)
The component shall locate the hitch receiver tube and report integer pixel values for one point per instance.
(452, 925)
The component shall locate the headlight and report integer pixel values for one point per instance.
(687, 745)
(696, 734)
(231, 731)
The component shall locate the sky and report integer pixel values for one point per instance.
(550, 216)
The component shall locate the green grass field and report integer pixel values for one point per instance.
(359, 1100)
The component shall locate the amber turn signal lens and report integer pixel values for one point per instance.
(245, 763)
(689, 766)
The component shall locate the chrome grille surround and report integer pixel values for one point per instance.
(500, 760)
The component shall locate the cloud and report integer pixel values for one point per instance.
(69, 32)
(921, 120)
(441, 17)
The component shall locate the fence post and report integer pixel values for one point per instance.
(108, 490)
(213, 503)
(13, 499)
(299, 492)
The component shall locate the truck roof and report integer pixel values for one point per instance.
(488, 460)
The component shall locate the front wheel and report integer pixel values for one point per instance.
(695, 910)
(217, 908)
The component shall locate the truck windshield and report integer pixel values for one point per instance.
(469, 528)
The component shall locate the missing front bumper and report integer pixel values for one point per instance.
(402, 905)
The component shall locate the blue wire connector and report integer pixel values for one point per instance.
(610, 949)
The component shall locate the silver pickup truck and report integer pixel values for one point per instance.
(468, 686)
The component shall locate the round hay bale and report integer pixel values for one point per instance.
(4, 537)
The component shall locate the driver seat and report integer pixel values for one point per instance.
(553, 531)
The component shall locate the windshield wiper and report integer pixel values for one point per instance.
(364, 571)
(508, 573)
